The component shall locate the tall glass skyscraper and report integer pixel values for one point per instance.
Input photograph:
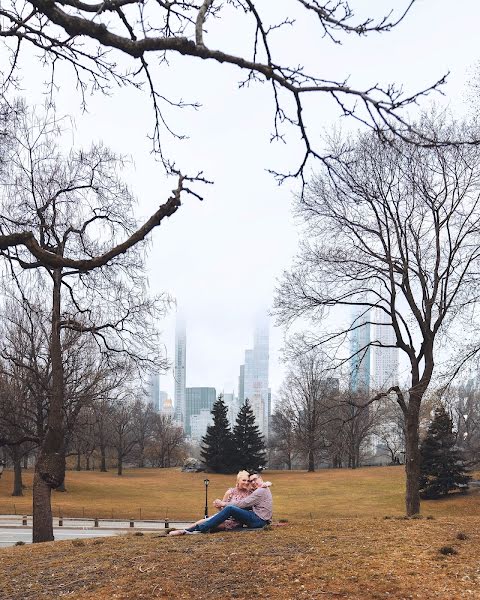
(385, 356)
(255, 376)
(153, 391)
(197, 399)
(360, 351)
(180, 370)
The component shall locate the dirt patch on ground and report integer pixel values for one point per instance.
(335, 558)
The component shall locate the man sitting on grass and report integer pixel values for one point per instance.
(254, 511)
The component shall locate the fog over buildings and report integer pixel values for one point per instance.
(220, 258)
(191, 407)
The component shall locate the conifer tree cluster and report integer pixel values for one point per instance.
(443, 467)
(224, 451)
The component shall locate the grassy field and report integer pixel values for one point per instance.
(345, 538)
(158, 493)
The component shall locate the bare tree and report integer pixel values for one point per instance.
(166, 447)
(395, 228)
(282, 441)
(304, 395)
(390, 430)
(142, 422)
(89, 37)
(103, 408)
(463, 404)
(124, 437)
(67, 222)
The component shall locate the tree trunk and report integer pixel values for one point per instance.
(17, 476)
(311, 461)
(141, 460)
(103, 461)
(79, 462)
(42, 511)
(119, 464)
(412, 457)
(87, 463)
(50, 465)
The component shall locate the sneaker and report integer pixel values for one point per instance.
(191, 532)
(178, 532)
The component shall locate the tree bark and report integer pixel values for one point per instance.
(103, 462)
(119, 464)
(50, 466)
(79, 462)
(412, 457)
(42, 511)
(17, 476)
(311, 461)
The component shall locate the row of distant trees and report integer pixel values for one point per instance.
(108, 423)
(318, 421)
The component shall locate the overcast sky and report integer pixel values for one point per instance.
(220, 258)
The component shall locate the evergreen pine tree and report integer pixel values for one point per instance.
(218, 448)
(249, 443)
(443, 467)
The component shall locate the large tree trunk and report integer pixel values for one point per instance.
(412, 456)
(311, 461)
(119, 463)
(17, 475)
(42, 511)
(79, 461)
(141, 459)
(50, 465)
(103, 462)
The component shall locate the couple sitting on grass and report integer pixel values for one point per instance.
(248, 503)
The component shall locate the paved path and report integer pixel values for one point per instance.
(13, 530)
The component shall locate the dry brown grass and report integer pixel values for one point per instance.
(335, 492)
(345, 538)
(355, 558)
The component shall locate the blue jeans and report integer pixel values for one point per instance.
(247, 517)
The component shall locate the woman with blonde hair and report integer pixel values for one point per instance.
(242, 489)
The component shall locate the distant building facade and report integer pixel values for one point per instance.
(167, 408)
(197, 400)
(255, 373)
(233, 407)
(180, 372)
(384, 357)
(153, 391)
(199, 424)
(360, 352)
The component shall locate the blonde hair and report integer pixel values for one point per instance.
(242, 474)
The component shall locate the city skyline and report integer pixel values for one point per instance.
(192, 405)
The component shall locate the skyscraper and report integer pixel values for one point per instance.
(180, 370)
(153, 391)
(255, 375)
(233, 406)
(197, 399)
(360, 351)
(384, 357)
(241, 385)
